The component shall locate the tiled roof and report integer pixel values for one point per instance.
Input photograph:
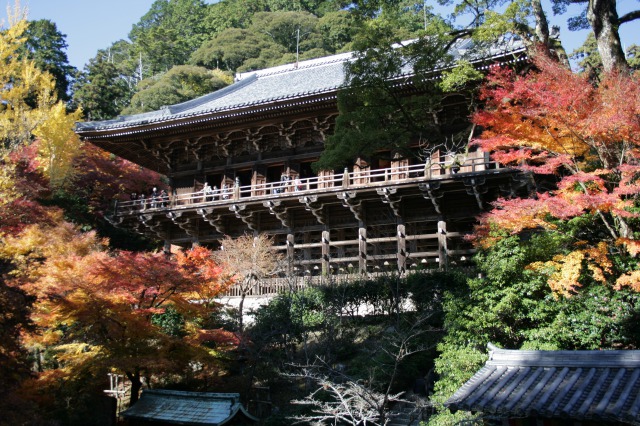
(187, 408)
(576, 385)
(269, 86)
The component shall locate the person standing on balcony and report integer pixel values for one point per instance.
(206, 192)
(164, 198)
(225, 191)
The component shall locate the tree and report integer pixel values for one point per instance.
(46, 46)
(97, 312)
(291, 30)
(30, 108)
(231, 48)
(179, 84)
(513, 306)
(378, 119)
(169, 33)
(248, 260)
(602, 16)
(556, 122)
(15, 307)
(101, 91)
(558, 255)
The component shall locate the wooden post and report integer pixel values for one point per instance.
(325, 253)
(362, 248)
(442, 244)
(402, 249)
(290, 253)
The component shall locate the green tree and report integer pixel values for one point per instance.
(512, 306)
(338, 30)
(375, 117)
(588, 57)
(230, 49)
(169, 33)
(46, 46)
(181, 83)
(291, 30)
(232, 14)
(100, 91)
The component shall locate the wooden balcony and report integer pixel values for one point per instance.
(183, 199)
(392, 219)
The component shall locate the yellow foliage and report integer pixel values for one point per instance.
(30, 108)
(630, 279)
(8, 192)
(564, 270)
(59, 145)
(38, 243)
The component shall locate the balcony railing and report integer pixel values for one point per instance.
(473, 163)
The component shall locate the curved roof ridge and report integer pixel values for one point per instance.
(595, 358)
(309, 63)
(194, 103)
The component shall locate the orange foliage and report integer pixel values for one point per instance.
(551, 121)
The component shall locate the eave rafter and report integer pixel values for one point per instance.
(390, 196)
(316, 208)
(245, 215)
(214, 219)
(349, 200)
(277, 209)
(476, 186)
(431, 191)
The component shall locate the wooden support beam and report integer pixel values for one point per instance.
(442, 244)
(277, 209)
(326, 253)
(476, 186)
(214, 219)
(431, 191)
(402, 249)
(362, 248)
(291, 253)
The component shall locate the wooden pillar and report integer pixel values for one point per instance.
(326, 270)
(442, 244)
(362, 248)
(307, 251)
(291, 251)
(402, 249)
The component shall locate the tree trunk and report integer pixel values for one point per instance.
(544, 36)
(240, 313)
(136, 385)
(542, 26)
(603, 17)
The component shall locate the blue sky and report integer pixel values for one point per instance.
(91, 25)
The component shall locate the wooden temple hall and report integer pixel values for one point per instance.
(239, 161)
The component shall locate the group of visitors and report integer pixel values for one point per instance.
(285, 182)
(160, 199)
(212, 194)
(155, 199)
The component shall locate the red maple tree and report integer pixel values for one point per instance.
(584, 137)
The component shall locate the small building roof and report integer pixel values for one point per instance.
(573, 385)
(271, 87)
(188, 408)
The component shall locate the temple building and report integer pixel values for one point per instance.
(239, 160)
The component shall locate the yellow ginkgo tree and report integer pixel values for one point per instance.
(29, 108)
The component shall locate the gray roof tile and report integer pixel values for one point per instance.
(187, 408)
(578, 385)
(264, 87)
